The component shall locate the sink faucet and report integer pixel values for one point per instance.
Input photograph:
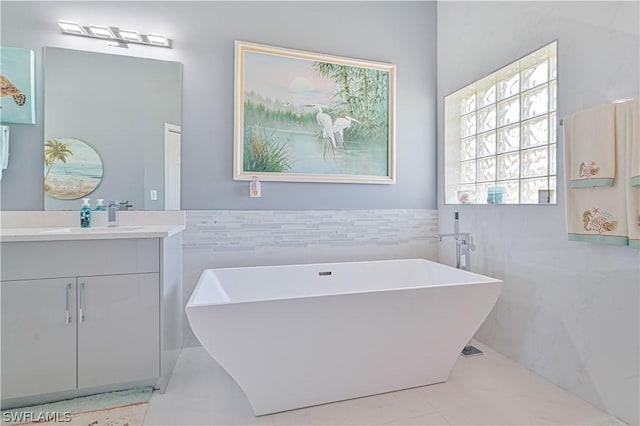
(464, 245)
(112, 214)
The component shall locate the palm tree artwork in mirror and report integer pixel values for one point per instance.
(72, 168)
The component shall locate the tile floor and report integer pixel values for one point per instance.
(484, 390)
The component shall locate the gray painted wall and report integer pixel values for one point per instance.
(203, 34)
(118, 105)
(568, 310)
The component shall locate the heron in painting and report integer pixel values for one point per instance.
(340, 125)
(326, 126)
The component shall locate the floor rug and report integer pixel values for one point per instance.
(121, 408)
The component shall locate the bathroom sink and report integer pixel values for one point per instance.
(126, 228)
(56, 231)
(102, 229)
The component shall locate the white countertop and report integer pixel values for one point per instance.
(97, 233)
(63, 226)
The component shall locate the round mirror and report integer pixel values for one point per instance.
(72, 168)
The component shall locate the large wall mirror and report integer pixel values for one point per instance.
(125, 109)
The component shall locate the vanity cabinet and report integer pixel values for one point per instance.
(118, 329)
(80, 315)
(38, 344)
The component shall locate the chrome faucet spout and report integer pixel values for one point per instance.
(112, 214)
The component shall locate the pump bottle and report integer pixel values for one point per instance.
(85, 214)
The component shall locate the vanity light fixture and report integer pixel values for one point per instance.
(101, 31)
(130, 35)
(158, 39)
(69, 27)
(117, 43)
(114, 35)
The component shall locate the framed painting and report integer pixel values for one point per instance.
(310, 117)
(17, 86)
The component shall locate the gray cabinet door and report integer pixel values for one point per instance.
(118, 329)
(38, 336)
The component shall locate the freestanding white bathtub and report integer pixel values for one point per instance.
(302, 335)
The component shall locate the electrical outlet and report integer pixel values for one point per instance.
(254, 189)
(154, 195)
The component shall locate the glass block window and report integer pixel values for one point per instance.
(500, 135)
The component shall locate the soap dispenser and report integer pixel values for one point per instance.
(85, 214)
(100, 207)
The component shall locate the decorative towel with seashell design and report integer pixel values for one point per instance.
(628, 133)
(590, 135)
(609, 214)
(596, 215)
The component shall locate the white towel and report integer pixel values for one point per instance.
(633, 216)
(4, 148)
(591, 137)
(597, 214)
(632, 111)
(628, 135)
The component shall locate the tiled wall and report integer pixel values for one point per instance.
(228, 238)
(568, 311)
(255, 231)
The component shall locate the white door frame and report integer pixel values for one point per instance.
(169, 163)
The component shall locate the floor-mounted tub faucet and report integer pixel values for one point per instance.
(464, 245)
